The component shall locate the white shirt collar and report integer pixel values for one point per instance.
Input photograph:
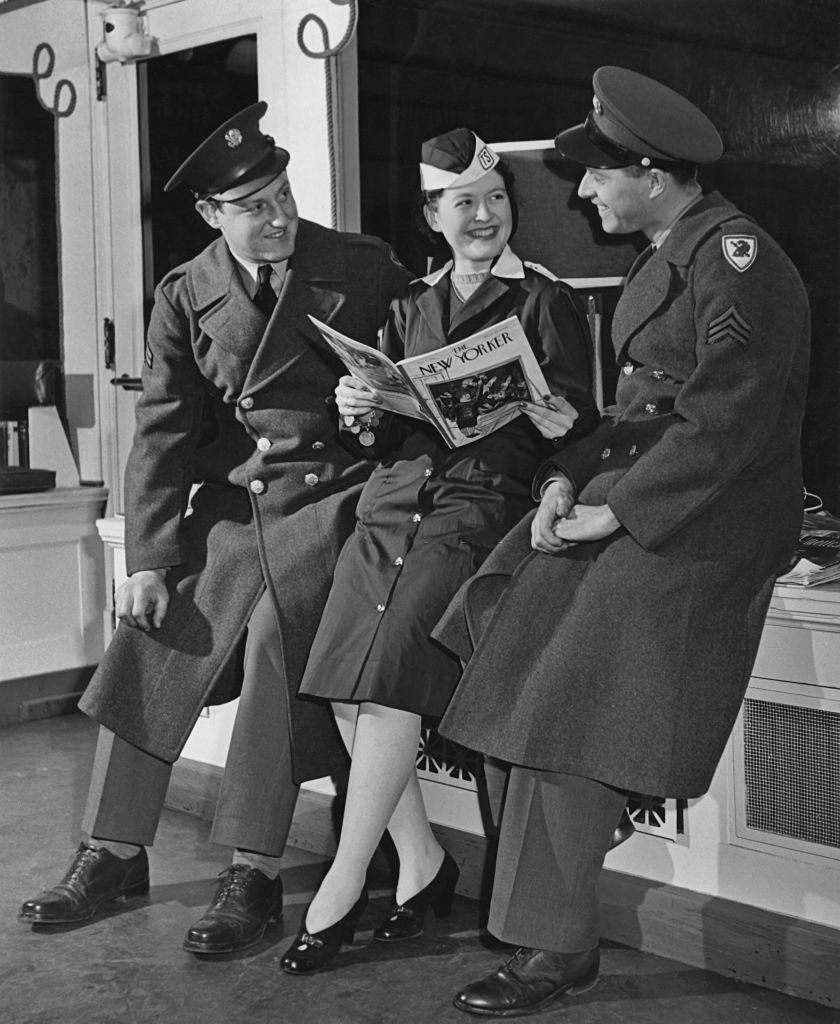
(251, 268)
(508, 265)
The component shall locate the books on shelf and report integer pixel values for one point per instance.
(817, 558)
(466, 390)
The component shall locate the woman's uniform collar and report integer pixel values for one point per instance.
(508, 265)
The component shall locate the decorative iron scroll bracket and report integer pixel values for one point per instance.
(64, 96)
(328, 54)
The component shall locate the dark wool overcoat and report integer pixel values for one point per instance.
(247, 409)
(430, 515)
(626, 660)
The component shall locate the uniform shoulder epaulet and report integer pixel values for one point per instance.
(540, 269)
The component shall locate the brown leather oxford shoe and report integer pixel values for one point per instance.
(95, 877)
(245, 902)
(529, 982)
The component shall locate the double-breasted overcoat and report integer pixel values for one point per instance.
(625, 660)
(430, 515)
(247, 410)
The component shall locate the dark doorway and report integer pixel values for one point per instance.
(184, 96)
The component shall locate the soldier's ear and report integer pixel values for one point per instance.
(209, 210)
(657, 182)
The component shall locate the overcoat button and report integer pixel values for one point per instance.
(633, 450)
(310, 479)
(605, 454)
(416, 517)
(658, 375)
(317, 445)
(380, 607)
(246, 403)
(650, 408)
(398, 560)
(257, 486)
(627, 369)
(263, 444)
(427, 472)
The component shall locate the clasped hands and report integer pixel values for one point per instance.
(559, 522)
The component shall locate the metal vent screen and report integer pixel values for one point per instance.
(792, 771)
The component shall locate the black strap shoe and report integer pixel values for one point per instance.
(95, 877)
(313, 951)
(529, 982)
(408, 920)
(244, 904)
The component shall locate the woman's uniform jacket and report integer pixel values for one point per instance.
(626, 660)
(430, 515)
(248, 410)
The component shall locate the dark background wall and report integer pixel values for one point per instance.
(766, 71)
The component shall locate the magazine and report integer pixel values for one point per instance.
(467, 389)
(817, 558)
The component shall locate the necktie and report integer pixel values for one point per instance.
(264, 296)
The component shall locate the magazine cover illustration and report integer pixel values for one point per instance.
(467, 389)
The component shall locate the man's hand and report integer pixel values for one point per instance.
(354, 399)
(586, 522)
(556, 502)
(553, 419)
(141, 602)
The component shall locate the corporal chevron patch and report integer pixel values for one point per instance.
(729, 326)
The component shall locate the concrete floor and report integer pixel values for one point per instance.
(128, 968)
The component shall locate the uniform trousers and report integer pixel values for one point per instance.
(556, 830)
(257, 796)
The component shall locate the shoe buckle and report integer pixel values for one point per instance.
(309, 940)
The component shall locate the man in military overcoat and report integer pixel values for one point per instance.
(613, 633)
(226, 586)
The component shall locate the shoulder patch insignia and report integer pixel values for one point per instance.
(740, 251)
(729, 326)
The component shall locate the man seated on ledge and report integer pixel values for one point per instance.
(611, 636)
(237, 394)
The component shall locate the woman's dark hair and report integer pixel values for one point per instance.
(435, 240)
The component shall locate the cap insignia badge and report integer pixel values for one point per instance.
(596, 105)
(233, 137)
(485, 158)
(740, 251)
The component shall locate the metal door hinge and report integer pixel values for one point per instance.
(101, 80)
(108, 342)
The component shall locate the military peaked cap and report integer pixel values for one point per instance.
(234, 162)
(637, 120)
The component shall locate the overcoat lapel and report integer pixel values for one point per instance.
(313, 284)
(649, 289)
(432, 305)
(485, 295)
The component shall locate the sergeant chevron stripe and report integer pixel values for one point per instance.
(730, 325)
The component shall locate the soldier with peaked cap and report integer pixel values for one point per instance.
(225, 598)
(610, 637)
(428, 516)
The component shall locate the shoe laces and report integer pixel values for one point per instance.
(234, 885)
(519, 959)
(84, 858)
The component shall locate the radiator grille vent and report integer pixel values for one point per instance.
(792, 771)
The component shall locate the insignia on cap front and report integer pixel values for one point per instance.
(596, 105)
(233, 137)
